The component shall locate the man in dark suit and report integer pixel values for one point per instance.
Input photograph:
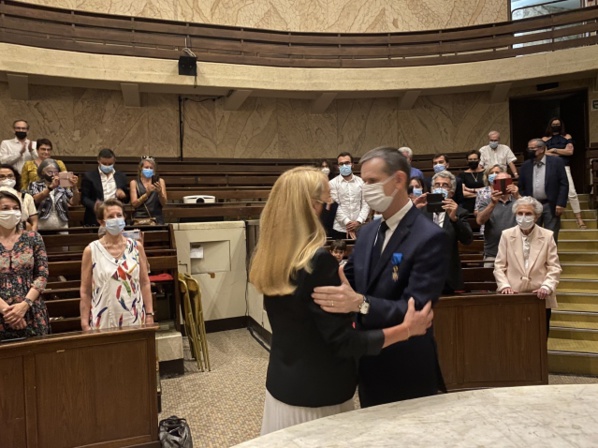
(402, 255)
(101, 184)
(545, 179)
(453, 220)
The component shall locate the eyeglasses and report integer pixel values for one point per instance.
(8, 176)
(437, 185)
(51, 173)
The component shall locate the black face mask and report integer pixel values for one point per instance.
(473, 164)
(555, 128)
(21, 135)
(48, 178)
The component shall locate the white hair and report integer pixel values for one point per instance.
(406, 151)
(528, 200)
(446, 175)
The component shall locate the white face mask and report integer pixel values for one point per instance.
(376, 198)
(326, 171)
(10, 183)
(10, 218)
(525, 222)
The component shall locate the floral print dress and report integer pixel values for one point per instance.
(115, 290)
(22, 268)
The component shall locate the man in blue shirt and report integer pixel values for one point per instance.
(408, 153)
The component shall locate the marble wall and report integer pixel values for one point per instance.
(81, 121)
(306, 15)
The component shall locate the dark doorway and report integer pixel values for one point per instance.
(529, 118)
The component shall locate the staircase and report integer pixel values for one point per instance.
(573, 342)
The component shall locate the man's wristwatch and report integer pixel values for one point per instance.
(364, 307)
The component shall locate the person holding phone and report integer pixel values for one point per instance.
(148, 192)
(29, 172)
(52, 197)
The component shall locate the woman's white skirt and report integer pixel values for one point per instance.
(279, 415)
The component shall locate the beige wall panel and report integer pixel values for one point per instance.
(307, 15)
(452, 123)
(303, 134)
(364, 124)
(199, 120)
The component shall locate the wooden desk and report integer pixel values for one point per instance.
(491, 340)
(76, 389)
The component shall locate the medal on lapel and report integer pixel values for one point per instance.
(397, 257)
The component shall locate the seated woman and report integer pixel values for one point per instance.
(484, 194)
(29, 172)
(115, 287)
(9, 179)
(527, 259)
(312, 370)
(52, 199)
(148, 192)
(23, 275)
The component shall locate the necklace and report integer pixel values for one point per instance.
(474, 174)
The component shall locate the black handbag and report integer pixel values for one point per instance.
(174, 432)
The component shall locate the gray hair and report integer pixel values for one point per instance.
(406, 151)
(446, 175)
(46, 163)
(528, 200)
(393, 160)
(538, 142)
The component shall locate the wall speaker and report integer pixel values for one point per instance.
(187, 65)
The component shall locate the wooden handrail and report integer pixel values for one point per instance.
(61, 29)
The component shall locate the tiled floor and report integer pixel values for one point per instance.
(224, 407)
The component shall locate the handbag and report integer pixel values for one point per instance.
(174, 432)
(145, 221)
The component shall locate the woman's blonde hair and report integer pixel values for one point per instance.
(290, 231)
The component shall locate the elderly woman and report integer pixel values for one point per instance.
(115, 287)
(148, 192)
(23, 275)
(52, 199)
(30, 168)
(527, 259)
(312, 370)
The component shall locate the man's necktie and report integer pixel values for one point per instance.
(377, 249)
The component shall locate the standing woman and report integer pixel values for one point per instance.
(559, 143)
(312, 370)
(30, 168)
(23, 275)
(115, 287)
(53, 200)
(148, 192)
(472, 179)
(10, 179)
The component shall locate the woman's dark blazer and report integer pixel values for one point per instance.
(313, 360)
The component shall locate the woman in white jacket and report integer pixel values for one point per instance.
(527, 259)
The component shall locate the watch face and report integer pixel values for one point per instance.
(364, 308)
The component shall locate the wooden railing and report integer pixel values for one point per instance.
(70, 30)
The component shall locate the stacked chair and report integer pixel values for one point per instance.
(193, 319)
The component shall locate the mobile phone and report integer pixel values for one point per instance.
(502, 184)
(134, 234)
(64, 177)
(434, 202)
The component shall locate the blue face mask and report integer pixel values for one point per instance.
(115, 225)
(441, 191)
(346, 170)
(491, 178)
(147, 172)
(107, 169)
(439, 167)
(417, 192)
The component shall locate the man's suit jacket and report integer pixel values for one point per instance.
(556, 184)
(408, 369)
(544, 267)
(92, 191)
(457, 232)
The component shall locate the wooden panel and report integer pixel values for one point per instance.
(12, 403)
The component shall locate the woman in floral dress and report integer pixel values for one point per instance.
(115, 286)
(23, 275)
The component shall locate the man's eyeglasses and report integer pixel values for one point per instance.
(437, 185)
(9, 176)
(533, 148)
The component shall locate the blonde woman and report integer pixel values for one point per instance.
(312, 370)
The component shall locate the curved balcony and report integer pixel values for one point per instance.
(49, 42)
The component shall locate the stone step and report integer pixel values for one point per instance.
(585, 214)
(579, 270)
(578, 257)
(577, 285)
(577, 245)
(572, 224)
(571, 362)
(573, 319)
(578, 234)
(579, 338)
